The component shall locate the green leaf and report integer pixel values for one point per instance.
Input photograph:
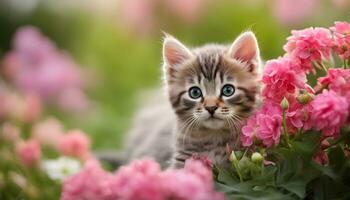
(336, 158)
(226, 177)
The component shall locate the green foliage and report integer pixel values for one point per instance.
(293, 176)
(18, 182)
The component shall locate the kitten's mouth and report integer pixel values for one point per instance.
(213, 118)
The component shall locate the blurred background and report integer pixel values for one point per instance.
(87, 61)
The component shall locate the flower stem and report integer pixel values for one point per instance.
(324, 67)
(238, 172)
(345, 63)
(285, 129)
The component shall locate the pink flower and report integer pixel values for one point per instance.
(341, 32)
(36, 66)
(10, 132)
(28, 152)
(265, 125)
(24, 108)
(248, 134)
(270, 124)
(308, 46)
(33, 108)
(192, 182)
(329, 112)
(204, 159)
(75, 143)
(91, 183)
(293, 114)
(139, 180)
(281, 79)
(337, 80)
(48, 132)
(321, 158)
(298, 116)
(142, 179)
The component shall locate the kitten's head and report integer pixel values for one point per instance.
(213, 86)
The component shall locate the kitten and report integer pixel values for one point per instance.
(210, 90)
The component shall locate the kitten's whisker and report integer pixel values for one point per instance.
(188, 129)
(185, 124)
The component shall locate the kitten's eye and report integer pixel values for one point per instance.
(228, 90)
(195, 92)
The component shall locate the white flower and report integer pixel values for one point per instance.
(61, 168)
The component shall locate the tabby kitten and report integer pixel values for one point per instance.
(210, 90)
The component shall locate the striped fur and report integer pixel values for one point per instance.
(190, 128)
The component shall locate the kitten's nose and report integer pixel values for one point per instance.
(211, 109)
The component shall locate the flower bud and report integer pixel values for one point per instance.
(257, 157)
(239, 155)
(304, 98)
(284, 104)
(233, 157)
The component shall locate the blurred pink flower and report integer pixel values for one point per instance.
(33, 108)
(193, 182)
(10, 132)
(280, 79)
(48, 132)
(29, 152)
(342, 4)
(25, 108)
(74, 100)
(200, 169)
(75, 143)
(203, 159)
(138, 15)
(341, 31)
(142, 179)
(293, 11)
(139, 180)
(142, 16)
(36, 66)
(307, 46)
(329, 112)
(91, 183)
(187, 10)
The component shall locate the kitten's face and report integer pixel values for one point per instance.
(214, 86)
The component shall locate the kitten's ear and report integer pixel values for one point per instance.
(246, 49)
(174, 52)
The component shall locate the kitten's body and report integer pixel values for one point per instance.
(173, 128)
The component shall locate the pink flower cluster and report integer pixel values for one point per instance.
(47, 133)
(142, 179)
(75, 143)
(264, 125)
(308, 46)
(281, 79)
(324, 108)
(140, 15)
(337, 80)
(29, 152)
(37, 67)
(329, 112)
(14, 106)
(341, 32)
